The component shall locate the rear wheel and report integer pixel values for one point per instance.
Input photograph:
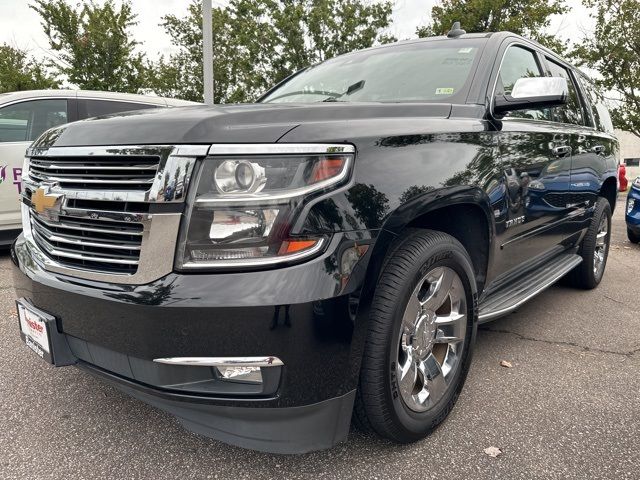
(594, 249)
(633, 237)
(419, 342)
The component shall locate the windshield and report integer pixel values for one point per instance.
(431, 71)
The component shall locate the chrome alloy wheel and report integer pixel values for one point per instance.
(431, 341)
(602, 246)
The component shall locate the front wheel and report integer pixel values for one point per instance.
(420, 338)
(594, 249)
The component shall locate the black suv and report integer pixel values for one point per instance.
(266, 271)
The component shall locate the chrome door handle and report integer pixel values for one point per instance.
(598, 149)
(561, 151)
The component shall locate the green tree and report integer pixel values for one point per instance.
(529, 18)
(93, 44)
(20, 72)
(238, 54)
(315, 30)
(612, 50)
(258, 43)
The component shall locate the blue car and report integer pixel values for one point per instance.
(633, 212)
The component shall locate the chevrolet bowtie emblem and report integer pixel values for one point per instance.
(47, 203)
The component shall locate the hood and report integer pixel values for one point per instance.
(246, 123)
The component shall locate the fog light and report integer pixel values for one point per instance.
(241, 374)
(630, 204)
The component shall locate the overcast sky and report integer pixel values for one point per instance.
(20, 26)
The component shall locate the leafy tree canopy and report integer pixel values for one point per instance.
(19, 72)
(93, 44)
(529, 18)
(258, 43)
(612, 50)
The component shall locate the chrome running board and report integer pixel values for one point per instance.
(511, 296)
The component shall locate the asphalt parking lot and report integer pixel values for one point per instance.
(568, 408)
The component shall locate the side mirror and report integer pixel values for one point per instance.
(532, 93)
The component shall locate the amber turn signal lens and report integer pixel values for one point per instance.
(293, 246)
(326, 168)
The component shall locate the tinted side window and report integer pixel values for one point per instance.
(518, 63)
(25, 121)
(96, 108)
(598, 108)
(572, 111)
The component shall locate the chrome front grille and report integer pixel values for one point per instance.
(89, 244)
(96, 173)
(94, 212)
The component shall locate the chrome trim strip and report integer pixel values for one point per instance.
(222, 361)
(69, 226)
(82, 241)
(279, 148)
(118, 150)
(43, 177)
(100, 195)
(103, 215)
(256, 262)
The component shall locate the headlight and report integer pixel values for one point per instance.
(636, 182)
(242, 205)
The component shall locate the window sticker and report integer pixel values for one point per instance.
(461, 61)
(444, 91)
(465, 50)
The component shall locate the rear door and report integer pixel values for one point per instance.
(597, 156)
(536, 157)
(589, 153)
(21, 123)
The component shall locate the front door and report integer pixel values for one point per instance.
(535, 153)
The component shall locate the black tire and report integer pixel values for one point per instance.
(584, 276)
(379, 407)
(632, 236)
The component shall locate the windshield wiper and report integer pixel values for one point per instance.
(352, 89)
(307, 92)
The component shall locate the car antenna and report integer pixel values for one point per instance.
(455, 31)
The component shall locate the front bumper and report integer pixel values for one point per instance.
(305, 315)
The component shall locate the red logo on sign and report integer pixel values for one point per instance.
(35, 326)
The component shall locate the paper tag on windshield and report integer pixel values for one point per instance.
(465, 50)
(444, 91)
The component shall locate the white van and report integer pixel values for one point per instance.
(25, 115)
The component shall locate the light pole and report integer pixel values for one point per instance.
(207, 51)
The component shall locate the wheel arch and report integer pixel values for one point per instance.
(462, 212)
(609, 190)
